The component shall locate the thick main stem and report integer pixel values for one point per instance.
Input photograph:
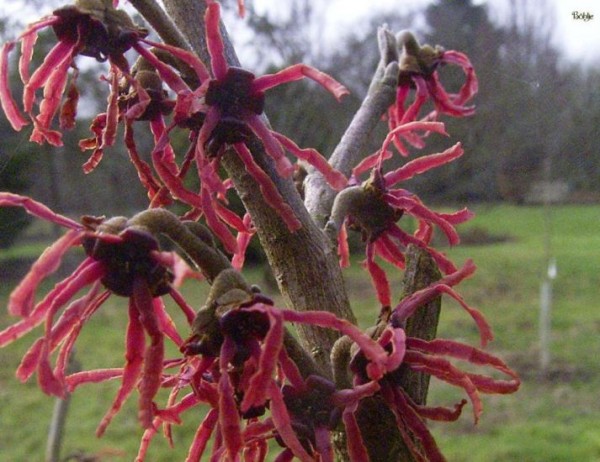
(300, 260)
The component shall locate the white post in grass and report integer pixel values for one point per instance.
(546, 316)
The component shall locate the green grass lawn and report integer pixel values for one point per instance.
(552, 418)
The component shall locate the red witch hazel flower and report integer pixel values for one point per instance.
(124, 257)
(419, 70)
(235, 101)
(222, 108)
(91, 28)
(373, 208)
(248, 364)
(230, 105)
(432, 358)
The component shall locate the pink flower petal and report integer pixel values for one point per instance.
(409, 127)
(55, 58)
(412, 426)
(68, 110)
(202, 436)
(370, 162)
(459, 217)
(354, 442)
(444, 102)
(460, 351)
(62, 361)
(256, 393)
(489, 385)
(282, 421)
(30, 360)
(166, 323)
(335, 179)
(398, 340)
(22, 298)
(147, 437)
(291, 371)
(230, 217)
(87, 272)
(390, 252)
(109, 133)
(272, 146)
(243, 240)
(137, 109)
(351, 397)
(77, 379)
(471, 86)
(166, 73)
(154, 355)
(135, 346)
(446, 266)
(53, 92)
(415, 208)
(421, 96)
(444, 370)
(343, 247)
(440, 413)
(27, 46)
(229, 419)
(379, 278)
(371, 349)
(188, 311)
(41, 135)
(423, 164)
(216, 49)
(410, 304)
(36, 209)
(143, 169)
(47, 381)
(267, 187)
(214, 222)
(297, 72)
(13, 114)
(187, 57)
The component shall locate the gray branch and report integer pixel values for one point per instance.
(319, 196)
(300, 260)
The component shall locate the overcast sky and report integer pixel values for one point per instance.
(580, 39)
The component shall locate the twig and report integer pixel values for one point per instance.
(319, 196)
(152, 12)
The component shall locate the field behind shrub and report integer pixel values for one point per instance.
(554, 417)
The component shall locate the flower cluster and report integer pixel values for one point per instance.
(221, 107)
(238, 356)
(419, 71)
(249, 364)
(373, 208)
(124, 258)
(430, 357)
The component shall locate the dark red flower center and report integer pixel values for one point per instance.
(100, 32)
(234, 95)
(236, 101)
(130, 259)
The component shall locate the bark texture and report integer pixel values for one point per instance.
(300, 260)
